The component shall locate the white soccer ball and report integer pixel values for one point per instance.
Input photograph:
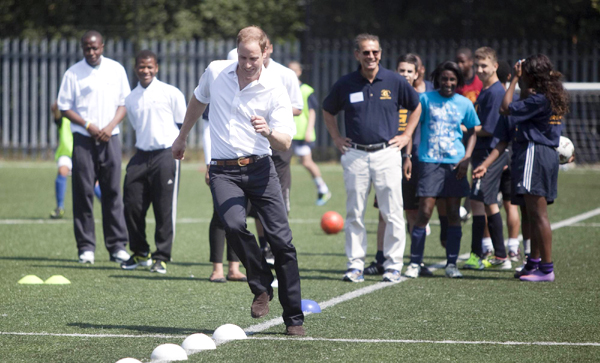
(168, 352)
(197, 342)
(229, 332)
(565, 150)
(128, 360)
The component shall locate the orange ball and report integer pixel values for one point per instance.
(332, 222)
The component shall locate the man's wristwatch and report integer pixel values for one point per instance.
(270, 132)
(407, 156)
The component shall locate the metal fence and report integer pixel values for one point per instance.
(31, 72)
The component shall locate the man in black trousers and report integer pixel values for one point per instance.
(154, 109)
(250, 111)
(92, 96)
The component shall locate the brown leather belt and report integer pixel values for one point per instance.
(242, 161)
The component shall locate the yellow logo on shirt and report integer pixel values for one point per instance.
(386, 94)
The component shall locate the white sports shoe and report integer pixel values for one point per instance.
(452, 271)
(413, 270)
(121, 256)
(87, 257)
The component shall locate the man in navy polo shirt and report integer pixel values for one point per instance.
(370, 98)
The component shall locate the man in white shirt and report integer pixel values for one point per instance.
(154, 109)
(281, 159)
(249, 113)
(92, 96)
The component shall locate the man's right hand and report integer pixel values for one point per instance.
(178, 148)
(94, 131)
(342, 143)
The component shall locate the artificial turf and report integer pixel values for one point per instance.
(102, 299)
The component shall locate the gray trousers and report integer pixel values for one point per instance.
(100, 161)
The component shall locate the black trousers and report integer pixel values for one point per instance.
(282, 160)
(232, 187)
(100, 161)
(152, 177)
(216, 239)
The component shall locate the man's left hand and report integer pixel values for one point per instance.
(105, 134)
(260, 125)
(399, 141)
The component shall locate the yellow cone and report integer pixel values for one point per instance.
(31, 280)
(57, 280)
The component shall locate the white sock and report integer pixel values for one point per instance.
(486, 244)
(513, 245)
(527, 246)
(321, 185)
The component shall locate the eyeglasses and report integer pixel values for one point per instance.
(367, 52)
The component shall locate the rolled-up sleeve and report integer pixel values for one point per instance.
(202, 92)
(281, 118)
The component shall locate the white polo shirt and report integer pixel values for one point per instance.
(232, 133)
(94, 93)
(154, 113)
(289, 81)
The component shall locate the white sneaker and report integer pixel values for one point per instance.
(87, 257)
(121, 256)
(413, 270)
(452, 271)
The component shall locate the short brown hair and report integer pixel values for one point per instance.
(486, 52)
(364, 37)
(253, 33)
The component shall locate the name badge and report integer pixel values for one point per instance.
(356, 97)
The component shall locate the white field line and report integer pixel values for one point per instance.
(408, 341)
(339, 340)
(257, 328)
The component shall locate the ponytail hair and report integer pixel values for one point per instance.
(545, 80)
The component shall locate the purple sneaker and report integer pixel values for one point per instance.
(538, 276)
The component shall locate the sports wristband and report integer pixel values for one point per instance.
(87, 125)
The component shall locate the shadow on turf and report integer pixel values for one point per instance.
(143, 328)
(156, 276)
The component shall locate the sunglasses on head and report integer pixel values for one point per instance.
(367, 52)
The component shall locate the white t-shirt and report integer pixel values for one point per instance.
(154, 112)
(289, 81)
(232, 133)
(94, 93)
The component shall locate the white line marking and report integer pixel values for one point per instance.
(407, 341)
(341, 340)
(575, 219)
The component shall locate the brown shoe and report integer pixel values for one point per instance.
(260, 305)
(297, 330)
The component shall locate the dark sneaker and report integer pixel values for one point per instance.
(58, 213)
(135, 261)
(159, 266)
(374, 269)
(425, 272)
(268, 255)
(297, 330)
